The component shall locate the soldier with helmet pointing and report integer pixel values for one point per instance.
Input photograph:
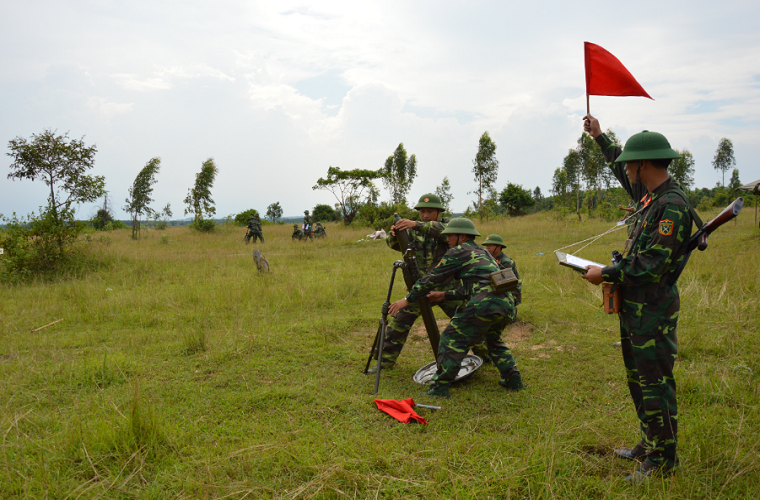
(650, 303)
(483, 316)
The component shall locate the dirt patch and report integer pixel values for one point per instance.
(517, 333)
(595, 450)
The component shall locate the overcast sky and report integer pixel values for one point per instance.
(276, 92)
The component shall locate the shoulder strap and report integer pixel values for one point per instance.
(675, 189)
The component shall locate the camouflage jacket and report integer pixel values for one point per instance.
(297, 233)
(306, 221)
(505, 262)
(649, 302)
(254, 225)
(429, 243)
(472, 264)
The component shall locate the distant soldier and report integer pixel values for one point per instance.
(483, 315)
(307, 228)
(319, 231)
(297, 233)
(430, 245)
(254, 229)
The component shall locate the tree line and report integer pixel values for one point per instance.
(582, 183)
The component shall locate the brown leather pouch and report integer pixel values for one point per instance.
(611, 298)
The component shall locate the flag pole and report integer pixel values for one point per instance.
(588, 112)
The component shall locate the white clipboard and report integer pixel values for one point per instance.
(573, 262)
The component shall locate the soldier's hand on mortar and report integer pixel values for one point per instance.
(591, 126)
(397, 306)
(405, 224)
(593, 275)
(435, 297)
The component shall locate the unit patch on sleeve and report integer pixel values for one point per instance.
(666, 227)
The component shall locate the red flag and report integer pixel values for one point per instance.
(400, 410)
(606, 75)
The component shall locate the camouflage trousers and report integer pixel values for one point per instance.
(481, 350)
(254, 234)
(464, 332)
(649, 358)
(398, 327)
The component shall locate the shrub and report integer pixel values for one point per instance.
(203, 225)
(103, 221)
(241, 219)
(39, 245)
(381, 216)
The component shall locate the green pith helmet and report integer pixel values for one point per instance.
(494, 239)
(306, 212)
(647, 145)
(295, 226)
(461, 225)
(429, 200)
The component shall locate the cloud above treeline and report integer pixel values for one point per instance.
(277, 92)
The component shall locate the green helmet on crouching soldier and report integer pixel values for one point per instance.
(647, 145)
(461, 225)
(429, 200)
(494, 239)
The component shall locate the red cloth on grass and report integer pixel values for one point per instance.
(400, 410)
(606, 75)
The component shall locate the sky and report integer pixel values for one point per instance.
(277, 92)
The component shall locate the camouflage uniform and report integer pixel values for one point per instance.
(297, 233)
(307, 228)
(515, 296)
(650, 306)
(254, 230)
(484, 314)
(430, 246)
(319, 231)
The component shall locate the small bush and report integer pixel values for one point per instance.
(39, 245)
(164, 239)
(203, 225)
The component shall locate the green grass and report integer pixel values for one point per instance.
(179, 371)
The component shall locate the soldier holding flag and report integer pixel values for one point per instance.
(650, 302)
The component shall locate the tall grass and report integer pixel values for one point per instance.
(179, 371)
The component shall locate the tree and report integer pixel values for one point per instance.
(444, 193)
(515, 199)
(274, 211)
(139, 194)
(399, 174)
(734, 184)
(198, 199)
(560, 184)
(61, 164)
(573, 165)
(323, 213)
(682, 169)
(348, 187)
(161, 217)
(724, 157)
(104, 217)
(242, 218)
(485, 166)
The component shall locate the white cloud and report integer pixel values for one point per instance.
(107, 108)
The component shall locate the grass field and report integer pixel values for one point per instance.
(178, 371)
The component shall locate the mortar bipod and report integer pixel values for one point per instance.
(377, 345)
